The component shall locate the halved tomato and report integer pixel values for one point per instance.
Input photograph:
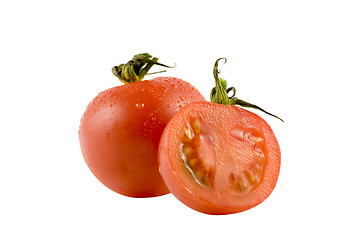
(219, 159)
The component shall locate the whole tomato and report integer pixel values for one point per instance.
(121, 128)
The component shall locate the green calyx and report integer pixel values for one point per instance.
(136, 69)
(219, 94)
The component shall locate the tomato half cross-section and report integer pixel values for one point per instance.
(121, 128)
(219, 158)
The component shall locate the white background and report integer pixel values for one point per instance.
(297, 59)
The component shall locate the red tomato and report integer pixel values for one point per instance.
(120, 132)
(219, 159)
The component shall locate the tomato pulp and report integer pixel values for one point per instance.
(120, 132)
(219, 159)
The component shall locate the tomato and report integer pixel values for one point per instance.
(219, 159)
(121, 129)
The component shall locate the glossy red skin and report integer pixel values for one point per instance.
(220, 119)
(120, 132)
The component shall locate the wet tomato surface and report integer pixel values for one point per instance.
(120, 132)
(219, 159)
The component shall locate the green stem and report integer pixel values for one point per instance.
(136, 69)
(219, 94)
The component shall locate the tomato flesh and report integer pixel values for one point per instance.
(120, 132)
(219, 159)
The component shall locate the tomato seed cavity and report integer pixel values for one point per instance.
(198, 152)
(249, 178)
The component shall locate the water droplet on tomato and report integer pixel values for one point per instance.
(140, 105)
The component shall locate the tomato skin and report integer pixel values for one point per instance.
(220, 198)
(120, 132)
